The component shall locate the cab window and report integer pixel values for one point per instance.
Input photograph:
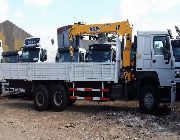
(158, 45)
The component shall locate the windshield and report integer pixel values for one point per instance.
(10, 59)
(30, 55)
(100, 56)
(65, 57)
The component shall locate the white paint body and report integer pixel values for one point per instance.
(51, 49)
(146, 56)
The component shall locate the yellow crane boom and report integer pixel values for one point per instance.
(123, 29)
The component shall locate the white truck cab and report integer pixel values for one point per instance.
(154, 67)
(64, 55)
(154, 56)
(38, 50)
(105, 52)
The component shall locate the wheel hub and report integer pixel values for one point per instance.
(149, 100)
(58, 98)
(40, 99)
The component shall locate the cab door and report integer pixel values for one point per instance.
(163, 69)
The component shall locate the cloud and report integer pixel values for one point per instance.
(19, 15)
(148, 14)
(133, 9)
(3, 9)
(137, 9)
(40, 3)
(164, 5)
(44, 13)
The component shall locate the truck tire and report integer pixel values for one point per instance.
(59, 100)
(148, 100)
(41, 98)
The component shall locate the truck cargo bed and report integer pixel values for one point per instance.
(58, 71)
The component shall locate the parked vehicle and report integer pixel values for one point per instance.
(39, 50)
(61, 84)
(10, 57)
(102, 53)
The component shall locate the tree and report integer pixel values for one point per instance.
(170, 33)
(177, 30)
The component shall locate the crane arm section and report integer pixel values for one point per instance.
(123, 29)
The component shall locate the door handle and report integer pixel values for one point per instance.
(154, 61)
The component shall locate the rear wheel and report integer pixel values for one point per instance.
(59, 98)
(148, 100)
(41, 98)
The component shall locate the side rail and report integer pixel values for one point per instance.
(93, 72)
(13, 71)
(49, 71)
(59, 71)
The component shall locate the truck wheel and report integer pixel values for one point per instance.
(59, 98)
(148, 101)
(41, 98)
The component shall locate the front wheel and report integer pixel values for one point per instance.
(148, 101)
(59, 98)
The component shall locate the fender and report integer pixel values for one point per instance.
(146, 77)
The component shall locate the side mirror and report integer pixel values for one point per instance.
(167, 57)
(52, 41)
(57, 57)
(41, 57)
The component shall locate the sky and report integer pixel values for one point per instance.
(42, 17)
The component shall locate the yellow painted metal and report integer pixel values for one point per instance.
(123, 29)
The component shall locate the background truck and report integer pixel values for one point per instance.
(39, 50)
(64, 55)
(176, 53)
(101, 53)
(10, 57)
(61, 84)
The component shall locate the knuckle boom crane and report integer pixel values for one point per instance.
(123, 29)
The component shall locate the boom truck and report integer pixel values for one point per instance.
(63, 83)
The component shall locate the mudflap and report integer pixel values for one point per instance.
(117, 92)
